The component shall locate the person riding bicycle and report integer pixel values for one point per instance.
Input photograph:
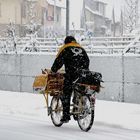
(74, 58)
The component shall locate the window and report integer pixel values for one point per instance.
(23, 10)
(57, 17)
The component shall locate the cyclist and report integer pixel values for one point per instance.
(74, 58)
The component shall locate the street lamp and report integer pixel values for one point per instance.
(67, 17)
(54, 16)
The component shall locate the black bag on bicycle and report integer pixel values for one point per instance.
(90, 77)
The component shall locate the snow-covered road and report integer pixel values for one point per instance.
(23, 117)
(21, 128)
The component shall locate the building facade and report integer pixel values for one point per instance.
(95, 18)
(21, 13)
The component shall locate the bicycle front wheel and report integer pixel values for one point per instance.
(86, 116)
(56, 111)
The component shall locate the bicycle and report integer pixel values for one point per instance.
(82, 106)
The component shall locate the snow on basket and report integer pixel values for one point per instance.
(49, 83)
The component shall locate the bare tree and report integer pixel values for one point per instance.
(130, 15)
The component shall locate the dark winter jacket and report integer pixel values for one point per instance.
(73, 57)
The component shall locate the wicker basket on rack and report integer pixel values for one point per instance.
(49, 83)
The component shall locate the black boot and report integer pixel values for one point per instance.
(65, 118)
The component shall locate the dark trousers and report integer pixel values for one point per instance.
(66, 97)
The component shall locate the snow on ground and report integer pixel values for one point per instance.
(23, 116)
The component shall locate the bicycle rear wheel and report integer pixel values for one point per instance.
(56, 111)
(86, 117)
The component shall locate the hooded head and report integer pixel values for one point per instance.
(69, 39)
